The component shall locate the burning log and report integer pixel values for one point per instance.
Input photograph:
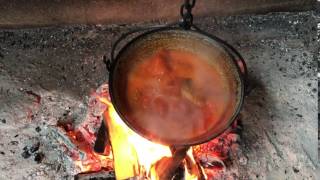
(102, 140)
(166, 166)
(192, 167)
(103, 175)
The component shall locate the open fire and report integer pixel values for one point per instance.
(132, 156)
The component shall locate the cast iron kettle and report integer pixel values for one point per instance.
(180, 36)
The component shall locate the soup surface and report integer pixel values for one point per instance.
(177, 94)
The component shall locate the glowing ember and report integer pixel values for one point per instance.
(84, 136)
(92, 161)
(135, 156)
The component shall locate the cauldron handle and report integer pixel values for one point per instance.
(125, 35)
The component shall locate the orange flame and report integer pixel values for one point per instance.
(133, 154)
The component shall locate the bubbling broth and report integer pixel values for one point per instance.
(176, 93)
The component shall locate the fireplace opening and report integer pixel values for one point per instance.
(57, 120)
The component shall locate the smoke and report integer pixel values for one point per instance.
(177, 95)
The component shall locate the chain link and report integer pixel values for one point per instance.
(186, 13)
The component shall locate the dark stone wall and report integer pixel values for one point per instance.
(34, 13)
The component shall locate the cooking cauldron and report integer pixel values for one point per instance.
(226, 95)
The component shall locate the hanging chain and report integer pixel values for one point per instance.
(186, 13)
